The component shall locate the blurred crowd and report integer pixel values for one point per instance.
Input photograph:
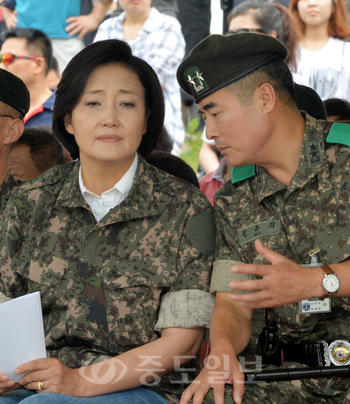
(38, 39)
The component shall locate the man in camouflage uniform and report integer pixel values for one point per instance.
(287, 206)
(111, 286)
(14, 104)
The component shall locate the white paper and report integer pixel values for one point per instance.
(22, 336)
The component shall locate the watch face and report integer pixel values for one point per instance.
(331, 283)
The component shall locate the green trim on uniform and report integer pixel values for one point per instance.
(222, 275)
(242, 173)
(339, 133)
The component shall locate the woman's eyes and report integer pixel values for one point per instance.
(128, 104)
(123, 104)
(92, 103)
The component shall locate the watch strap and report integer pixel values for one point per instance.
(328, 270)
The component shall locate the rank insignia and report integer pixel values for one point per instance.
(195, 79)
(314, 153)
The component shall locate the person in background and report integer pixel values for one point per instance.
(60, 20)
(164, 142)
(35, 152)
(54, 75)
(14, 104)
(120, 251)
(281, 226)
(195, 18)
(211, 182)
(270, 19)
(324, 60)
(156, 38)
(27, 53)
(337, 109)
(168, 7)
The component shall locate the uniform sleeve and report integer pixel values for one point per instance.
(227, 254)
(11, 242)
(189, 304)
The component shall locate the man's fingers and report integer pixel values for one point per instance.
(238, 387)
(270, 255)
(187, 394)
(219, 393)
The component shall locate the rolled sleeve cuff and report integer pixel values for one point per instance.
(186, 309)
(222, 275)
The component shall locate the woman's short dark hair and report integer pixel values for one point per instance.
(73, 82)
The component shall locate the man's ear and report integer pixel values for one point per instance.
(39, 65)
(15, 131)
(267, 97)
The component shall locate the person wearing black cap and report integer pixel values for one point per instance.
(14, 104)
(281, 226)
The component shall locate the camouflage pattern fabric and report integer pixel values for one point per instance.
(6, 189)
(101, 283)
(312, 211)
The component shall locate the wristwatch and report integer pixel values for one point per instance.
(330, 281)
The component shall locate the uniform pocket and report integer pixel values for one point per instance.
(46, 269)
(132, 303)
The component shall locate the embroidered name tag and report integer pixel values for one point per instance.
(257, 230)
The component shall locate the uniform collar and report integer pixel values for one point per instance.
(139, 202)
(312, 158)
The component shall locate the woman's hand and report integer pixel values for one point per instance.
(6, 384)
(53, 375)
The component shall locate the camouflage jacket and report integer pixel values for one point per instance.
(312, 211)
(101, 284)
(6, 189)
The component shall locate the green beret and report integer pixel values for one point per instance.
(219, 60)
(14, 92)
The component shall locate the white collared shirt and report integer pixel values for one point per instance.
(101, 205)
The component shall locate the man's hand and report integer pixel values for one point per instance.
(9, 16)
(283, 282)
(81, 25)
(55, 377)
(84, 24)
(219, 370)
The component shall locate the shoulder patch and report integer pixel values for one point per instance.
(201, 231)
(242, 173)
(339, 133)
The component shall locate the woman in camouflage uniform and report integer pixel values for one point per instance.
(120, 251)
